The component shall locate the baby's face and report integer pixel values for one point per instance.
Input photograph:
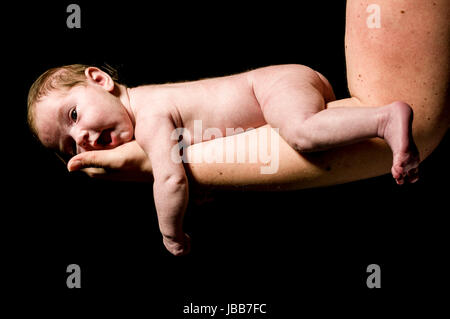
(84, 118)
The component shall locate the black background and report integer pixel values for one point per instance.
(300, 251)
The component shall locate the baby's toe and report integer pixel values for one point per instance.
(397, 173)
(413, 175)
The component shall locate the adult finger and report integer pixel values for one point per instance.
(99, 159)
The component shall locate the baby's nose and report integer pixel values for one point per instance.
(82, 138)
(86, 140)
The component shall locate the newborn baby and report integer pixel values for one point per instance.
(79, 108)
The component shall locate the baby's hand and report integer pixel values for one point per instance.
(178, 246)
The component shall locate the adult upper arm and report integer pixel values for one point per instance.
(404, 57)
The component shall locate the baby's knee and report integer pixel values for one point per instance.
(300, 140)
(305, 145)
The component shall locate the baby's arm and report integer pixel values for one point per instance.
(170, 187)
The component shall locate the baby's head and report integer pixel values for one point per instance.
(78, 108)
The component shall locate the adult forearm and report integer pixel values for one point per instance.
(295, 171)
(291, 171)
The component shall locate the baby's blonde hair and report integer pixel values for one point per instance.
(59, 78)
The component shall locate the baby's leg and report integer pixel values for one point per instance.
(396, 128)
(297, 108)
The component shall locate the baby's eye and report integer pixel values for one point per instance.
(73, 115)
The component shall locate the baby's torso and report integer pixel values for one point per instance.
(226, 105)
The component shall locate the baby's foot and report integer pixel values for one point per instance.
(178, 247)
(398, 134)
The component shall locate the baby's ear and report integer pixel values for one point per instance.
(99, 77)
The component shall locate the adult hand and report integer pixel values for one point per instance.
(127, 162)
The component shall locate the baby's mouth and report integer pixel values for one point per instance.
(105, 138)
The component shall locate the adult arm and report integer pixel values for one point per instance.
(406, 59)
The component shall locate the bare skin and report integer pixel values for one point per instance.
(291, 97)
(372, 55)
(374, 58)
(308, 126)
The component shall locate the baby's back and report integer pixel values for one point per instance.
(225, 102)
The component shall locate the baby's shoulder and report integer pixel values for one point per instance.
(153, 104)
